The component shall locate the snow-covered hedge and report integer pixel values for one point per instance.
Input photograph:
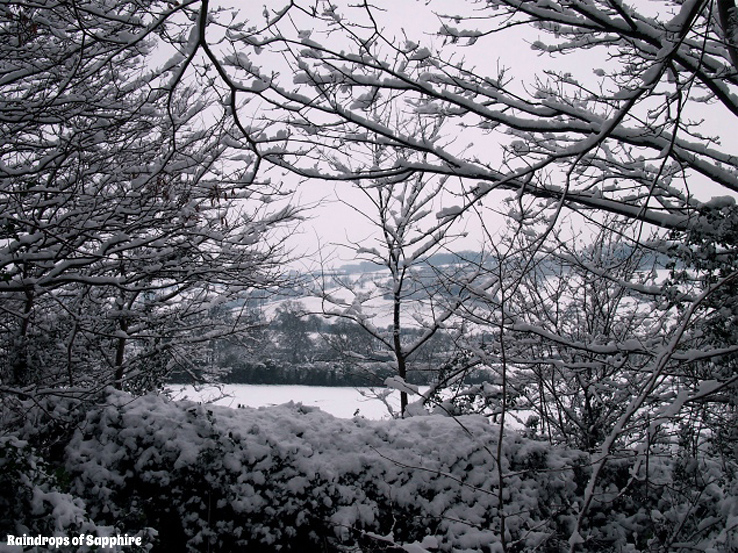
(290, 478)
(33, 502)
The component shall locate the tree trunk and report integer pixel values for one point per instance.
(20, 361)
(120, 351)
(397, 343)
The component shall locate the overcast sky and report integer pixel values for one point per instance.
(332, 223)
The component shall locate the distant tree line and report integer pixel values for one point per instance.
(293, 347)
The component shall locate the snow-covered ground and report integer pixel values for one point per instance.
(338, 401)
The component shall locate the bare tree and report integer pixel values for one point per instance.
(581, 323)
(125, 215)
(410, 292)
(565, 139)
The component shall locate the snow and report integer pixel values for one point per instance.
(720, 202)
(339, 401)
(291, 463)
(397, 383)
(449, 212)
(278, 477)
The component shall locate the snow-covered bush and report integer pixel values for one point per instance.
(294, 478)
(36, 496)
(34, 502)
(290, 478)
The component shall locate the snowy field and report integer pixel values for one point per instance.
(338, 401)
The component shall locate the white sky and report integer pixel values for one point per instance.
(331, 223)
